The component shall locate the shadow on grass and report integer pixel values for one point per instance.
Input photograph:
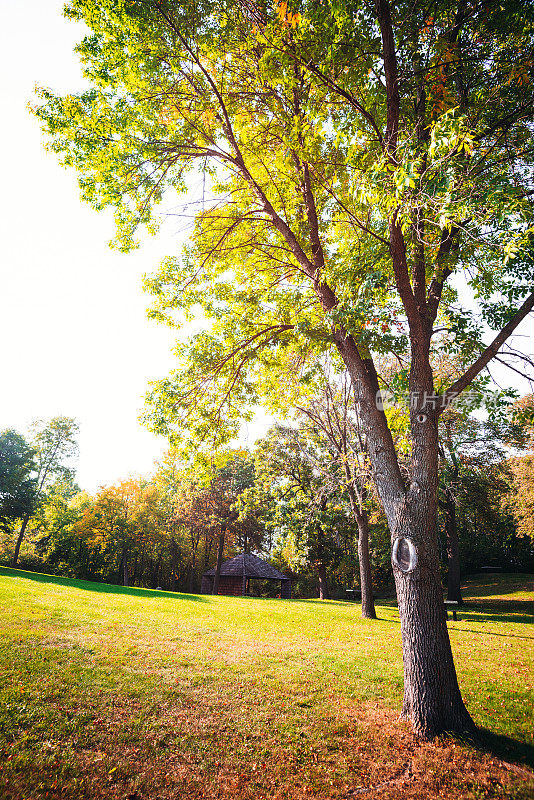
(498, 611)
(465, 618)
(317, 603)
(515, 611)
(101, 588)
(492, 633)
(503, 747)
(482, 615)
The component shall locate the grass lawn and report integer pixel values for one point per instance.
(108, 692)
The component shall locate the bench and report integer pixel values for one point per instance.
(454, 605)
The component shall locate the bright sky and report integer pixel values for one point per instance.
(74, 337)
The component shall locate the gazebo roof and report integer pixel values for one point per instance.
(253, 567)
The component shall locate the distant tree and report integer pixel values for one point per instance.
(229, 481)
(471, 451)
(199, 501)
(487, 530)
(56, 537)
(54, 445)
(291, 466)
(125, 524)
(56, 511)
(519, 433)
(522, 467)
(332, 412)
(221, 481)
(17, 481)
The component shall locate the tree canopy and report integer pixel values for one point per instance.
(17, 483)
(287, 112)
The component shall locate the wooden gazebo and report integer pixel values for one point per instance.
(236, 574)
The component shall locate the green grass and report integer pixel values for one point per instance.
(112, 692)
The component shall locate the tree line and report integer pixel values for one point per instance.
(292, 499)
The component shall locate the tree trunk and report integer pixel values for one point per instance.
(134, 570)
(366, 578)
(20, 537)
(454, 591)
(432, 697)
(324, 593)
(125, 577)
(207, 551)
(174, 563)
(141, 572)
(217, 575)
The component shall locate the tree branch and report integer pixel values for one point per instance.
(490, 351)
(383, 14)
(435, 290)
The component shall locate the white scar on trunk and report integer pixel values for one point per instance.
(404, 554)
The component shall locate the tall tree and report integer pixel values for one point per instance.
(366, 160)
(54, 445)
(469, 447)
(331, 412)
(17, 484)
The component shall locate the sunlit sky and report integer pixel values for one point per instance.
(74, 335)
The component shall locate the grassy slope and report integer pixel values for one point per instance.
(111, 692)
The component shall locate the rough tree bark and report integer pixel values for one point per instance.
(432, 697)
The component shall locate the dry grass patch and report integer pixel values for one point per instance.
(201, 749)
